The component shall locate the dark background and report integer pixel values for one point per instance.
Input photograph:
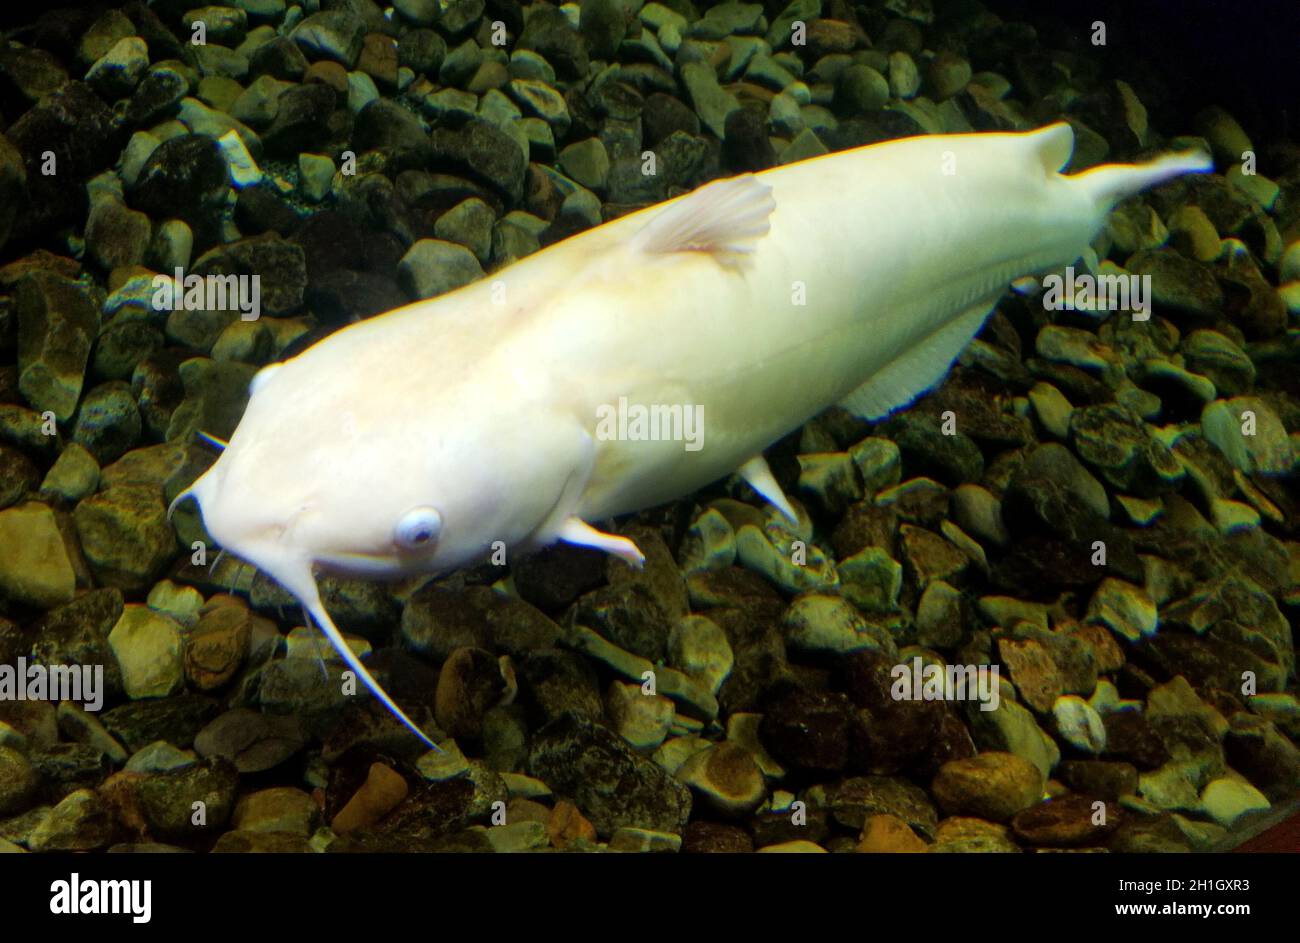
(1242, 54)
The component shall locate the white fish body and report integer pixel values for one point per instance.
(414, 441)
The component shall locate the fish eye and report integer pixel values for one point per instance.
(419, 527)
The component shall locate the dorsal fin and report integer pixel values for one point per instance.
(725, 218)
(1053, 145)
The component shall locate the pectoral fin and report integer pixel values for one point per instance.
(759, 477)
(577, 531)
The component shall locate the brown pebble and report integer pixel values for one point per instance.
(567, 824)
(327, 73)
(379, 794)
(716, 838)
(890, 834)
(992, 786)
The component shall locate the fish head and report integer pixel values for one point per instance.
(331, 478)
(315, 479)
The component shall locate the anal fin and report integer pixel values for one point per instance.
(919, 368)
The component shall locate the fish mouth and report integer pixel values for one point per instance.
(294, 571)
(274, 554)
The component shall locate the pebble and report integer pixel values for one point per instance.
(755, 551)
(148, 647)
(946, 75)
(1123, 608)
(1227, 800)
(1052, 409)
(332, 34)
(469, 223)
(577, 758)
(78, 725)
(821, 623)
(116, 236)
(1066, 821)
(1115, 441)
(433, 267)
(1177, 282)
(1012, 728)
(277, 809)
(251, 740)
(979, 512)
(712, 103)
(539, 100)
(1217, 357)
(797, 847)
(1193, 234)
(35, 569)
(857, 798)
(1172, 786)
(382, 792)
(939, 615)
(904, 77)
(644, 840)
(160, 757)
(567, 825)
(1106, 779)
(166, 800)
(1079, 724)
(809, 729)
(887, 833)
(994, 786)
(519, 836)
(587, 162)
(643, 720)
(726, 778)
(830, 479)
(698, 647)
(216, 645)
(1262, 447)
(73, 476)
(108, 422)
(57, 322)
(805, 146)
(18, 781)
(80, 822)
(871, 580)
(709, 544)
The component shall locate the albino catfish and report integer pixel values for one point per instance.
(412, 442)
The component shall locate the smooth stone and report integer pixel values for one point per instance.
(74, 474)
(148, 645)
(1227, 800)
(698, 647)
(35, 569)
(643, 720)
(1123, 608)
(433, 267)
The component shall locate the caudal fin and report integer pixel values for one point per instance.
(1110, 183)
